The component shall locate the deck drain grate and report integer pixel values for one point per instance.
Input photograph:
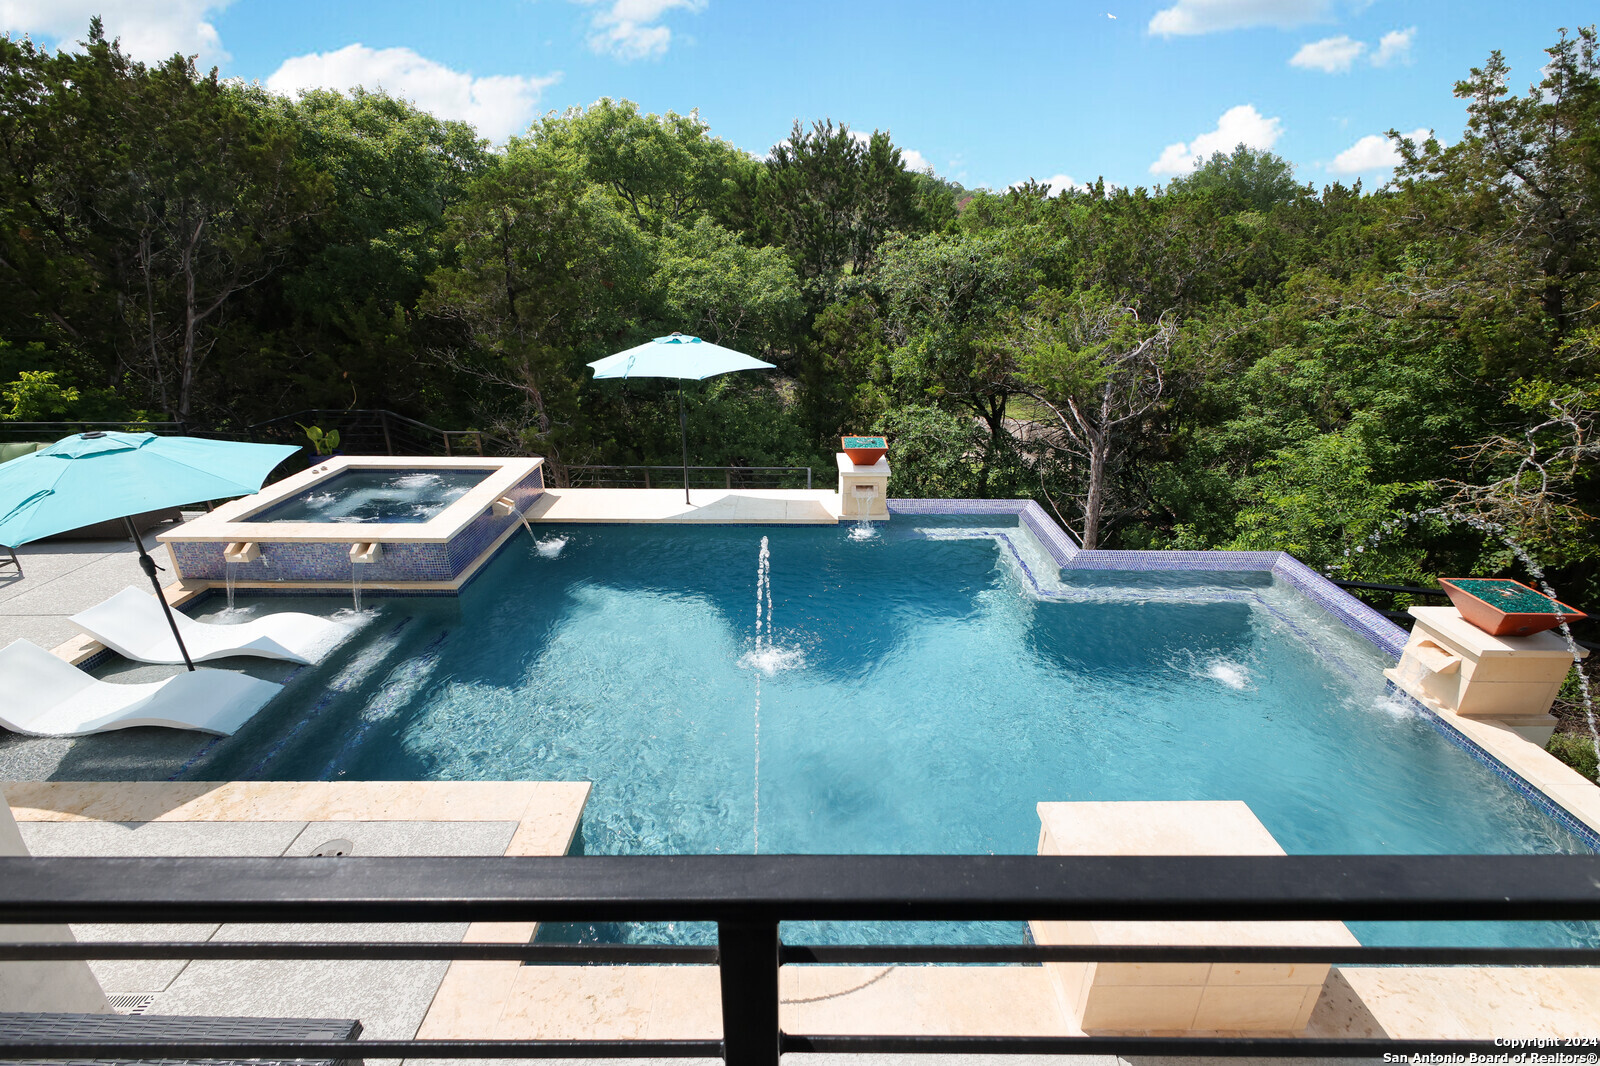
(131, 1004)
(333, 849)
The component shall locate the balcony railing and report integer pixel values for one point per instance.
(747, 896)
(671, 477)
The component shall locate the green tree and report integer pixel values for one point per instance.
(944, 298)
(715, 286)
(1249, 179)
(537, 260)
(1099, 370)
(834, 198)
(661, 168)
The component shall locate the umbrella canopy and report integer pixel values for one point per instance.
(682, 357)
(95, 477)
(677, 356)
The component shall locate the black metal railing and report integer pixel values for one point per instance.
(748, 896)
(1393, 590)
(700, 477)
(381, 432)
(50, 432)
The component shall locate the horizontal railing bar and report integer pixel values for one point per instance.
(1410, 589)
(802, 887)
(343, 1050)
(588, 954)
(678, 467)
(853, 955)
(1121, 1046)
(869, 955)
(1134, 1046)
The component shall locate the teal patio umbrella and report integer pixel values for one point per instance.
(98, 477)
(681, 357)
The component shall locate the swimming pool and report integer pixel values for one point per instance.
(919, 691)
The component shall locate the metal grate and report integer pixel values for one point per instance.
(131, 1004)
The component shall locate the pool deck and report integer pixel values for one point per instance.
(393, 998)
(721, 506)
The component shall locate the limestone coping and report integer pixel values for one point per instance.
(1447, 622)
(231, 521)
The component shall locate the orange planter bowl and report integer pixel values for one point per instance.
(864, 451)
(1502, 607)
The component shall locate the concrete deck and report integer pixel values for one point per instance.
(393, 999)
(61, 578)
(753, 506)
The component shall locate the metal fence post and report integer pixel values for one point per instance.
(748, 965)
(383, 420)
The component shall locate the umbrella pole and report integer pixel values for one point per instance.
(148, 565)
(683, 432)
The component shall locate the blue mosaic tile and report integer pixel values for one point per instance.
(1388, 637)
(1052, 537)
(1567, 820)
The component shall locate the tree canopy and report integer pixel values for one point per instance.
(1233, 360)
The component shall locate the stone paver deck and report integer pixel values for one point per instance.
(272, 818)
(61, 578)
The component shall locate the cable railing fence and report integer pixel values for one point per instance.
(588, 476)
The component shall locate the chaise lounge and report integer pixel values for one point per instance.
(49, 697)
(132, 625)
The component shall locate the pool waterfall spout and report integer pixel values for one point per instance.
(361, 556)
(505, 506)
(1535, 571)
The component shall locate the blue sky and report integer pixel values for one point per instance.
(985, 94)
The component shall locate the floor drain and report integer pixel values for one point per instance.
(333, 849)
(131, 1004)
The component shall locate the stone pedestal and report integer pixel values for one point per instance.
(863, 490)
(1126, 996)
(1451, 665)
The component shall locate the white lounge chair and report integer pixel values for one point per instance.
(49, 697)
(132, 625)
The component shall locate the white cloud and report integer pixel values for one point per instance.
(1373, 153)
(1238, 125)
(1059, 183)
(630, 29)
(1331, 55)
(1394, 47)
(150, 30)
(1186, 18)
(497, 106)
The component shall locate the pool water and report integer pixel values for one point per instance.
(919, 692)
(367, 495)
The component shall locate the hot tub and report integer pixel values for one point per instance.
(414, 523)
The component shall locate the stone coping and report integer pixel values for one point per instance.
(547, 812)
(231, 522)
(813, 507)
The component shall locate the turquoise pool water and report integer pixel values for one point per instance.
(918, 692)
